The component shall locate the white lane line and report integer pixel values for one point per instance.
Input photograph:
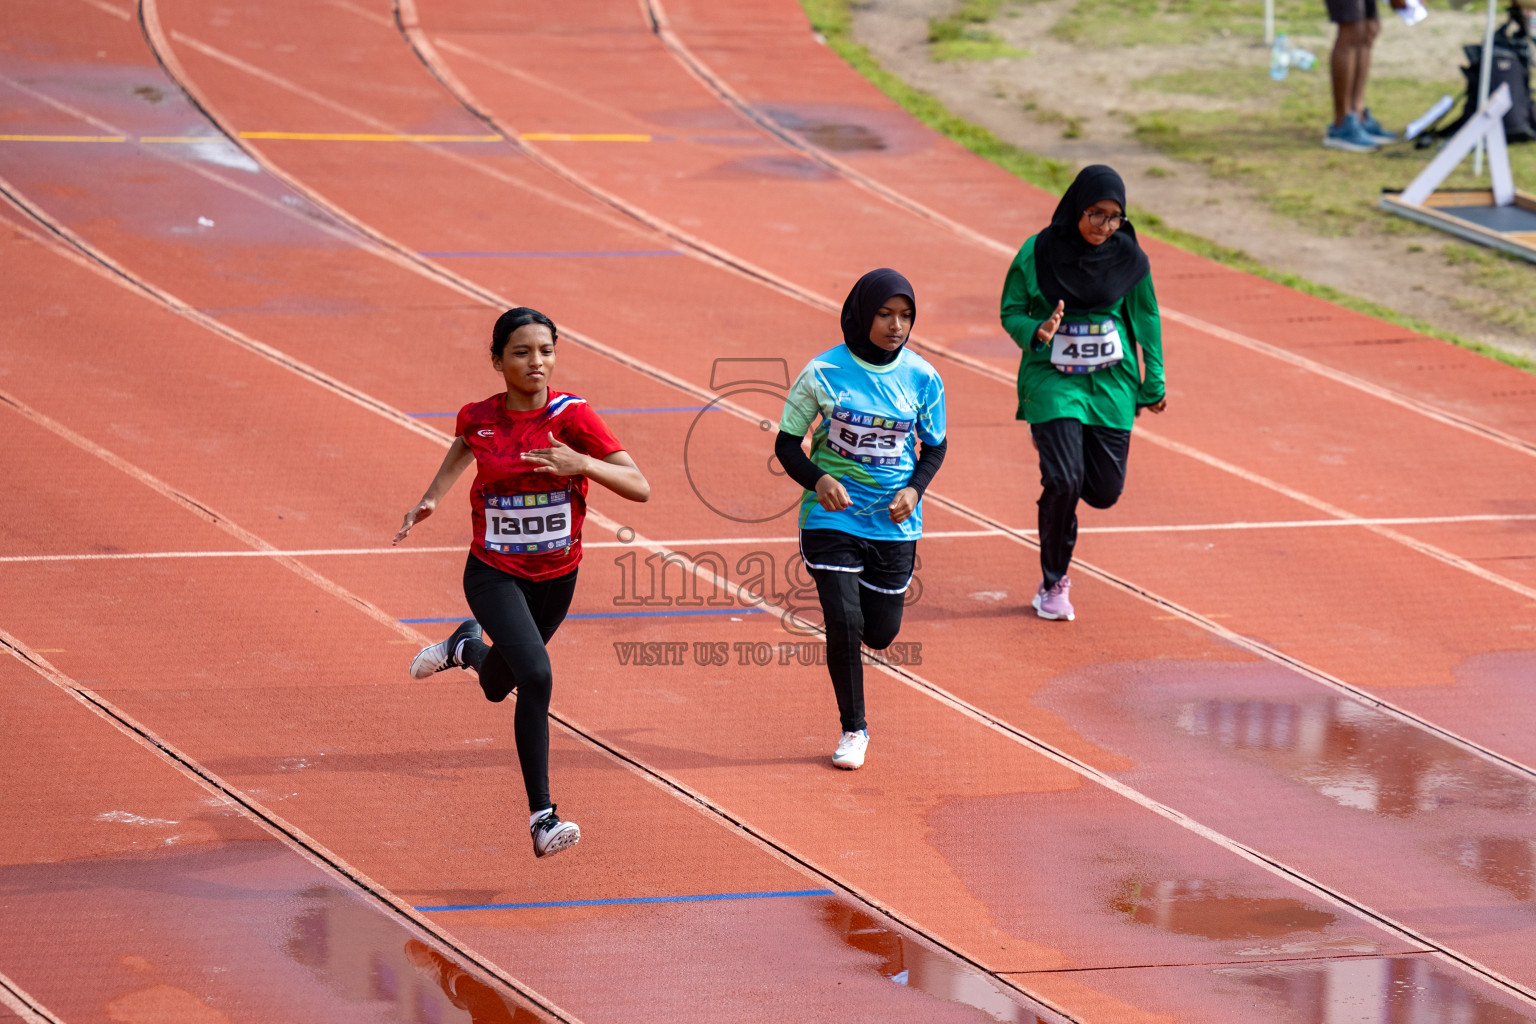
(713, 542)
(23, 1005)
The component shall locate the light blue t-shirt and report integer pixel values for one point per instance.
(871, 420)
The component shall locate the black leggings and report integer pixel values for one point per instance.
(1076, 461)
(520, 616)
(854, 614)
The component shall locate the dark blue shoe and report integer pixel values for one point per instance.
(1373, 128)
(1349, 137)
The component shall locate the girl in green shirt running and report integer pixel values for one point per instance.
(1078, 301)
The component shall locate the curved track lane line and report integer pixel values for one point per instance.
(407, 21)
(15, 999)
(285, 831)
(660, 779)
(944, 697)
(656, 16)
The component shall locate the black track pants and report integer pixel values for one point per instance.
(520, 616)
(854, 614)
(862, 585)
(1076, 461)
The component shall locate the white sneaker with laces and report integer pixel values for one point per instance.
(433, 658)
(551, 835)
(850, 750)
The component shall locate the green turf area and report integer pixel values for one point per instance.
(1276, 128)
(962, 36)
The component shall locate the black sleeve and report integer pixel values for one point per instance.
(795, 462)
(928, 463)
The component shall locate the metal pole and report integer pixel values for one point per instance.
(1269, 22)
(1485, 73)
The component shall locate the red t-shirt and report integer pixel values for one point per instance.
(528, 523)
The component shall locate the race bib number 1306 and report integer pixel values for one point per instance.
(528, 524)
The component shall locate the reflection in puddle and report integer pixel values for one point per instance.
(1357, 756)
(1396, 990)
(1214, 911)
(907, 962)
(832, 135)
(366, 956)
(1505, 862)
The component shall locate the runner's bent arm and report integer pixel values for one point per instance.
(454, 463)
(616, 471)
(1146, 326)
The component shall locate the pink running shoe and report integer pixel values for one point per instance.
(1053, 603)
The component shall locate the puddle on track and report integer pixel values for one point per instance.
(1393, 990)
(1213, 910)
(907, 962)
(361, 955)
(1357, 756)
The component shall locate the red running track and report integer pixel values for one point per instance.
(1059, 830)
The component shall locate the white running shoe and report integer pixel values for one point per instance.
(850, 750)
(436, 657)
(551, 835)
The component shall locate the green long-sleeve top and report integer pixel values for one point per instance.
(1105, 398)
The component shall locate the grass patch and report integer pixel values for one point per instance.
(1175, 22)
(832, 19)
(962, 35)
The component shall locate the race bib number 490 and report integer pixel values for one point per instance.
(1086, 346)
(872, 440)
(528, 524)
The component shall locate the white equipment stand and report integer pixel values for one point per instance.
(1502, 217)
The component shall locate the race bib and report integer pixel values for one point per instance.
(528, 524)
(872, 440)
(1085, 346)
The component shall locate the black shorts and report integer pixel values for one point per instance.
(882, 565)
(1347, 12)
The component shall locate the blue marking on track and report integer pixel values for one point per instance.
(534, 254)
(705, 898)
(617, 615)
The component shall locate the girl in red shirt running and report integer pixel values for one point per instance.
(534, 449)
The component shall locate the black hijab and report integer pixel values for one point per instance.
(859, 310)
(1069, 268)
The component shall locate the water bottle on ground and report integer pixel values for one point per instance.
(1280, 57)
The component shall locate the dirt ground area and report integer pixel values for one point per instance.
(1209, 143)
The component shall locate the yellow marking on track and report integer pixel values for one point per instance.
(391, 137)
(366, 137)
(558, 137)
(63, 138)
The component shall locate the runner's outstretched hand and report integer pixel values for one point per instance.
(1046, 331)
(413, 517)
(558, 459)
(904, 504)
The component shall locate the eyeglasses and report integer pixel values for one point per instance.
(1100, 219)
